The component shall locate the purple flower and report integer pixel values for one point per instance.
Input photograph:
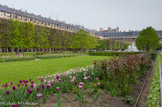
(13, 87)
(97, 79)
(57, 88)
(30, 91)
(7, 92)
(32, 82)
(98, 84)
(39, 95)
(48, 85)
(18, 85)
(86, 71)
(20, 81)
(31, 86)
(6, 84)
(43, 86)
(81, 83)
(57, 77)
(15, 105)
(37, 89)
(60, 80)
(41, 79)
(76, 83)
(80, 87)
(11, 83)
(26, 85)
(38, 78)
(30, 79)
(26, 81)
(51, 83)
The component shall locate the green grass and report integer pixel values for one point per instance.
(15, 71)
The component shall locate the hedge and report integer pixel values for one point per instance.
(103, 53)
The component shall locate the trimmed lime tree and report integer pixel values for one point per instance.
(83, 41)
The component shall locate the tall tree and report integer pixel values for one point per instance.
(81, 40)
(147, 40)
(16, 38)
(92, 42)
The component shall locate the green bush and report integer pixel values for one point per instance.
(7, 54)
(29, 53)
(153, 55)
(101, 53)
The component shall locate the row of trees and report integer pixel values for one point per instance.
(24, 35)
(83, 40)
(112, 45)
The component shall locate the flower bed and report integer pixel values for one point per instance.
(120, 72)
(115, 75)
(154, 94)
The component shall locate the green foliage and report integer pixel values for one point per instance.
(95, 97)
(147, 40)
(82, 40)
(28, 32)
(16, 38)
(93, 42)
(90, 91)
(125, 46)
(129, 99)
(153, 55)
(122, 71)
(100, 53)
(111, 45)
(154, 94)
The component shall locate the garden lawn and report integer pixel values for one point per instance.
(23, 70)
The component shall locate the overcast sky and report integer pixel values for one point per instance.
(95, 14)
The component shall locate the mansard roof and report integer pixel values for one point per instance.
(33, 16)
(132, 33)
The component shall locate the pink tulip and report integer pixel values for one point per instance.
(85, 78)
(98, 84)
(81, 83)
(80, 87)
(57, 88)
(39, 95)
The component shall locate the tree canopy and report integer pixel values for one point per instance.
(148, 39)
(82, 40)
